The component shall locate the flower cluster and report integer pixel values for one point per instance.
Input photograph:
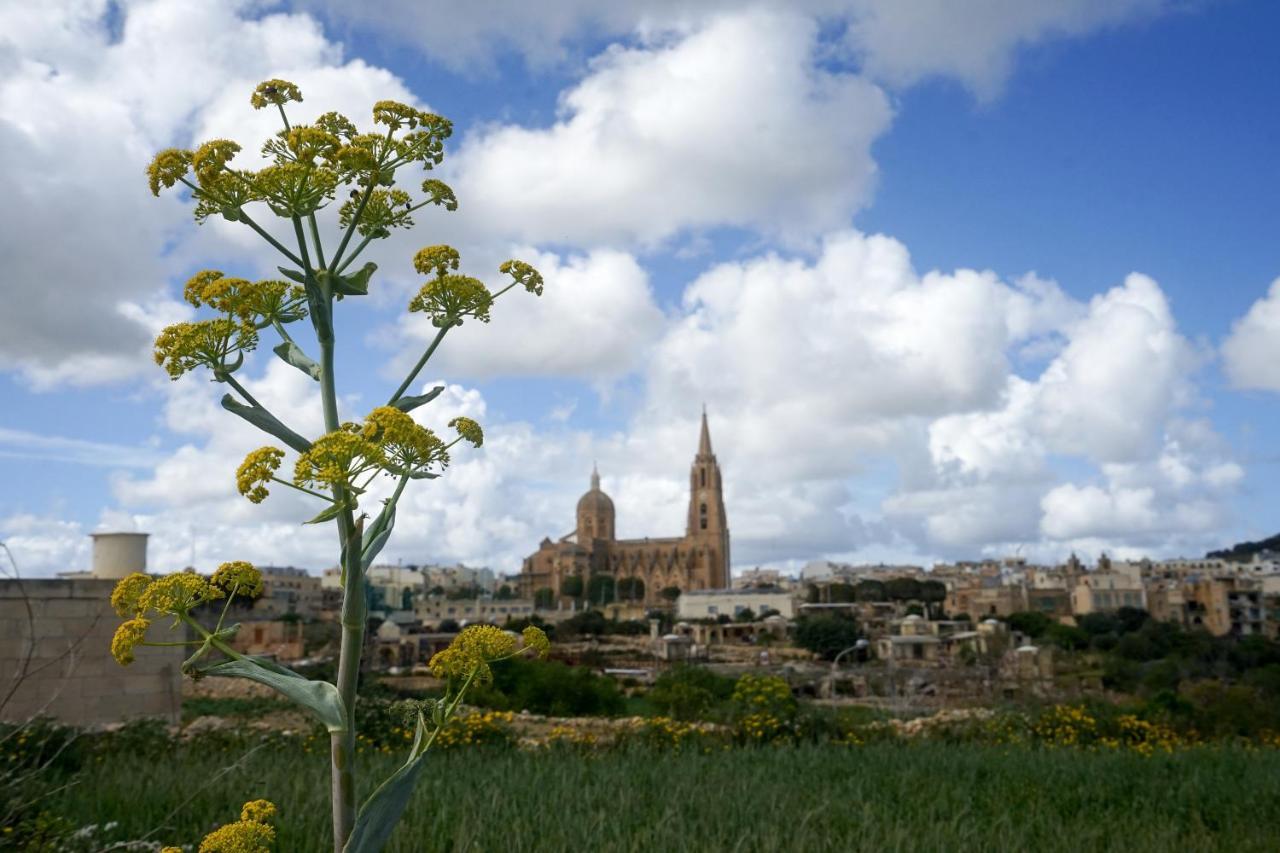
(488, 728)
(127, 637)
(524, 274)
(469, 430)
(337, 458)
(449, 298)
(471, 652)
(137, 594)
(251, 834)
(167, 168)
(185, 346)
(258, 469)
(405, 445)
(238, 577)
(383, 210)
(274, 91)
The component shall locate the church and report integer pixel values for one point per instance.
(636, 569)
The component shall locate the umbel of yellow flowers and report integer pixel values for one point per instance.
(281, 196)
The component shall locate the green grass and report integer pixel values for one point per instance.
(884, 798)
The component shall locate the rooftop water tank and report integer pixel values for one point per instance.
(116, 555)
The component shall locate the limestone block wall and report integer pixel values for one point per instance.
(71, 675)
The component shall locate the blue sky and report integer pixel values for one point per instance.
(864, 407)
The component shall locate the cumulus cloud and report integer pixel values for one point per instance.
(733, 124)
(975, 42)
(1251, 353)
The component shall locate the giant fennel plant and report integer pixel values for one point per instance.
(311, 167)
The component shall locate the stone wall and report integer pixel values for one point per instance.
(71, 675)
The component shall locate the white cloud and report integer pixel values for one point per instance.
(732, 124)
(595, 320)
(1251, 353)
(975, 42)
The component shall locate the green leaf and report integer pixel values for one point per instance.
(293, 354)
(266, 422)
(231, 214)
(319, 697)
(408, 404)
(355, 284)
(381, 812)
(293, 275)
(329, 513)
(377, 534)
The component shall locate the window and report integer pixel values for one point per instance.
(703, 472)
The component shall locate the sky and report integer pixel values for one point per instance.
(953, 281)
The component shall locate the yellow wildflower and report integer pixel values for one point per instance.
(256, 471)
(260, 810)
(184, 346)
(536, 639)
(395, 115)
(524, 274)
(468, 429)
(245, 836)
(127, 595)
(385, 209)
(337, 124)
(336, 458)
(436, 260)
(274, 91)
(211, 158)
(472, 651)
(167, 168)
(449, 298)
(239, 576)
(295, 189)
(194, 290)
(170, 850)
(127, 637)
(178, 593)
(438, 192)
(404, 443)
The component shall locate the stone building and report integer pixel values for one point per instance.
(640, 569)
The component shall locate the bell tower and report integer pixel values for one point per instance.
(708, 524)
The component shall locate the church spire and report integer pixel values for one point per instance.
(595, 478)
(704, 440)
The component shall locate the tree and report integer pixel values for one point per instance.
(670, 593)
(840, 593)
(826, 636)
(406, 599)
(1031, 623)
(869, 591)
(504, 593)
(933, 593)
(902, 589)
(544, 598)
(327, 163)
(600, 590)
(572, 587)
(745, 615)
(631, 589)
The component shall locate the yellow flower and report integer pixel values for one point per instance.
(336, 458)
(127, 595)
(245, 836)
(195, 288)
(436, 260)
(396, 115)
(295, 189)
(449, 298)
(274, 91)
(438, 192)
(167, 168)
(240, 576)
(536, 639)
(472, 651)
(170, 850)
(184, 346)
(402, 441)
(524, 274)
(127, 637)
(260, 810)
(211, 158)
(384, 210)
(256, 471)
(178, 593)
(337, 124)
(468, 429)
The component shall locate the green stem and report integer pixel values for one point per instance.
(248, 398)
(284, 118)
(354, 254)
(417, 368)
(315, 238)
(272, 240)
(351, 226)
(184, 643)
(221, 617)
(305, 491)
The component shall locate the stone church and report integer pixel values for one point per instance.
(640, 568)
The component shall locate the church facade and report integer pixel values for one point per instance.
(637, 569)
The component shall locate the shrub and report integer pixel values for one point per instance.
(551, 688)
(690, 692)
(826, 636)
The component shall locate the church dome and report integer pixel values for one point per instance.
(595, 501)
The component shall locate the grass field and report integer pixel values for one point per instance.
(926, 796)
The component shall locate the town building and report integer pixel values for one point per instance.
(286, 590)
(638, 569)
(714, 603)
(434, 609)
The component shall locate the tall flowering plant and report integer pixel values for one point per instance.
(312, 166)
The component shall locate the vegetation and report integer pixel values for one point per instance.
(880, 796)
(690, 693)
(549, 687)
(826, 636)
(1243, 552)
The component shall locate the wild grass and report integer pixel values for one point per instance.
(883, 797)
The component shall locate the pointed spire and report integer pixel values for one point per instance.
(595, 478)
(704, 440)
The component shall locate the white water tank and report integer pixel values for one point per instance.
(116, 555)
